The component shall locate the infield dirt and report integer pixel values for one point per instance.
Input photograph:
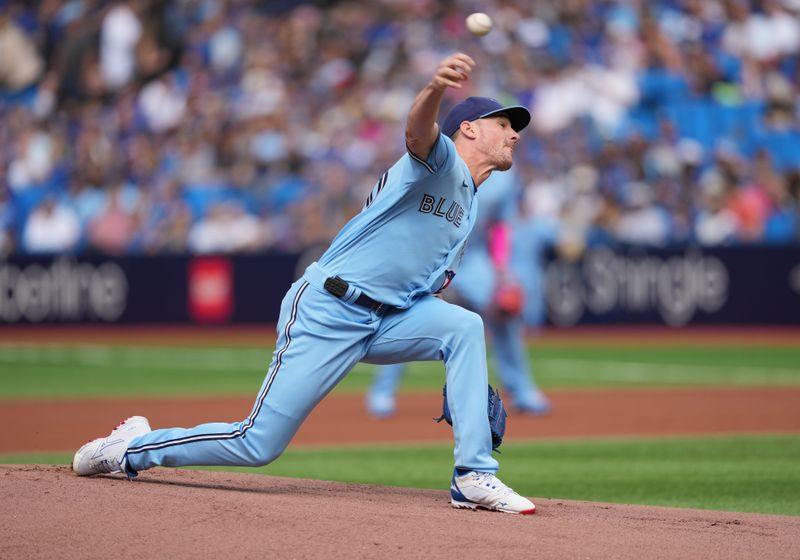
(50, 513)
(64, 425)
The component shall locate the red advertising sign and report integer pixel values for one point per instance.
(210, 289)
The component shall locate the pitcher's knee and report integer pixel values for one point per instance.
(468, 327)
(264, 456)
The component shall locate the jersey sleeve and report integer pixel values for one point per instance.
(441, 159)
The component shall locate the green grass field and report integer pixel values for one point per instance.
(737, 473)
(93, 370)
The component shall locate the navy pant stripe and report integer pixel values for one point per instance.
(259, 402)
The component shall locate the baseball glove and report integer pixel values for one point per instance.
(509, 299)
(495, 411)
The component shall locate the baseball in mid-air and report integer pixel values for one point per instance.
(479, 24)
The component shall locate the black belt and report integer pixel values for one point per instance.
(339, 287)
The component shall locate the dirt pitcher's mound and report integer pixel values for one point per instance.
(50, 513)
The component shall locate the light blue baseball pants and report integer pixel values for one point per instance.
(510, 360)
(475, 286)
(320, 339)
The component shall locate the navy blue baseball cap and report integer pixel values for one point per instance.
(474, 108)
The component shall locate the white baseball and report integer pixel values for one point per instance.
(479, 24)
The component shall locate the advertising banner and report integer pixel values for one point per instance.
(742, 285)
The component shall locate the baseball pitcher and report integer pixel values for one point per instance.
(370, 298)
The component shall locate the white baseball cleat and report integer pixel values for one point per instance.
(107, 455)
(483, 490)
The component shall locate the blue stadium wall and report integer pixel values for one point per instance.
(738, 286)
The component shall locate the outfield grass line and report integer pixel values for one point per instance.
(644, 372)
(55, 368)
(91, 355)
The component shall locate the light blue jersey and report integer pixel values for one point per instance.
(407, 240)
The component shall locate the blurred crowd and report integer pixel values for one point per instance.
(152, 127)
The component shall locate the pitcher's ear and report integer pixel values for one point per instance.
(468, 129)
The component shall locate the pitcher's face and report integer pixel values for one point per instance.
(498, 140)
